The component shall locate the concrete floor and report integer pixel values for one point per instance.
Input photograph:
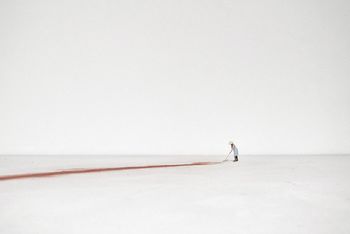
(259, 194)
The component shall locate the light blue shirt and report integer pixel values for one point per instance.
(235, 151)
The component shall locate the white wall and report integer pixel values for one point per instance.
(174, 77)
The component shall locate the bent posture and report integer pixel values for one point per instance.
(234, 151)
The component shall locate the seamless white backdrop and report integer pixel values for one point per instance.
(174, 77)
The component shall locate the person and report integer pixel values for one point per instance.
(234, 150)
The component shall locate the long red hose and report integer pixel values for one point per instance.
(95, 170)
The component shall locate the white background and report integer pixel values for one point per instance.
(174, 77)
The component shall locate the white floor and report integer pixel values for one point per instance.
(260, 194)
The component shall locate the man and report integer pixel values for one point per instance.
(234, 150)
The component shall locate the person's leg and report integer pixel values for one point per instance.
(236, 158)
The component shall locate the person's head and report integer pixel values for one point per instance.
(231, 143)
